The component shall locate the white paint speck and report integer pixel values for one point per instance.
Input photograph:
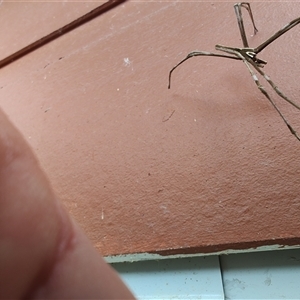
(127, 62)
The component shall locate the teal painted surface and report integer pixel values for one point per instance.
(262, 275)
(259, 275)
(185, 278)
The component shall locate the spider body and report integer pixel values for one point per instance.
(249, 57)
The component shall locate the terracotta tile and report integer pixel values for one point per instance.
(203, 167)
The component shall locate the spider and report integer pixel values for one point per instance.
(249, 57)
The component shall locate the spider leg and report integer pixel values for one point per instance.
(248, 62)
(262, 89)
(277, 35)
(198, 53)
(238, 13)
(274, 86)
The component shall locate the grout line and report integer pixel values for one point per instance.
(61, 31)
(222, 278)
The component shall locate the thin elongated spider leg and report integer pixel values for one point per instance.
(274, 86)
(248, 60)
(277, 35)
(262, 89)
(244, 53)
(248, 56)
(198, 53)
(287, 27)
(238, 13)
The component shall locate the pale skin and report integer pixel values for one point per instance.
(43, 252)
